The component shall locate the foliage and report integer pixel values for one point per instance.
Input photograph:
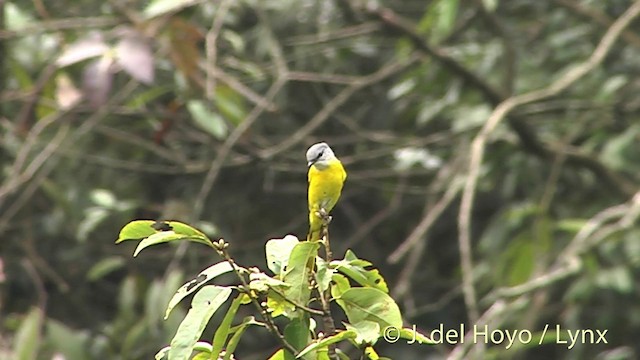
(370, 311)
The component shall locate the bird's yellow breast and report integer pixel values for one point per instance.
(325, 185)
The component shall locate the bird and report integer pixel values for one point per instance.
(326, 177)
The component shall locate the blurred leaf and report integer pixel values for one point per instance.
(208, 121)
(184, 40)
(146, 97)
(515, 265)
(277, 252)
(439, 19)
(163, 7)
(408, 157)
(610, 88)
(571, 226)
(204, 305)
(230, 104)
(632, 246)
(92, 218)
(91, 46)
(621, 152)
(97, 80)
(128, 295)
(617, 278)
(190, 286)
(105, 267)
(71, 343)
(67, 94)
(17, 19)
(490, 5)
(26, 343)
(134, 55)
(402, 88)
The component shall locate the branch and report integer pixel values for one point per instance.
(530, 141)
(221, 248)
(500, 112)
(336, 102)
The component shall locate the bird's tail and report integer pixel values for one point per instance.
(315, 226)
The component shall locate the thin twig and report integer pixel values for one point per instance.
(236, 134)
(221, 248)
(325, 296)
(211, 48)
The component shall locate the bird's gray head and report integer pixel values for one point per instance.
(319, 155)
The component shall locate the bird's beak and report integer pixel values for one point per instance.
(309, 163)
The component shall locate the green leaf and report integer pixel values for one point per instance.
(618, 278)
(204, 305)
(222, 332)
(297, 272)
(297, 334)
(157, 232)
(167, 236)
(238, 331)
(202, 346)
(207, 120)
(277, 305)
(278, 251)
(194, 284)
(354, 269)
(370, 304)
(71, 343)
(26, 343)
(261, 282)
(340, 285)
(323, 274)
(230, 104)
(104, 267)
(517, 261)
(329, 340)
(140, 229)
(278, 355)
(367, 332)
(143, 98)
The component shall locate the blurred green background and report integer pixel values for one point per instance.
(201, 111)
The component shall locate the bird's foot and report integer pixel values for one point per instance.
(324, 216)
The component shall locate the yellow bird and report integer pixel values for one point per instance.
(326, 177)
